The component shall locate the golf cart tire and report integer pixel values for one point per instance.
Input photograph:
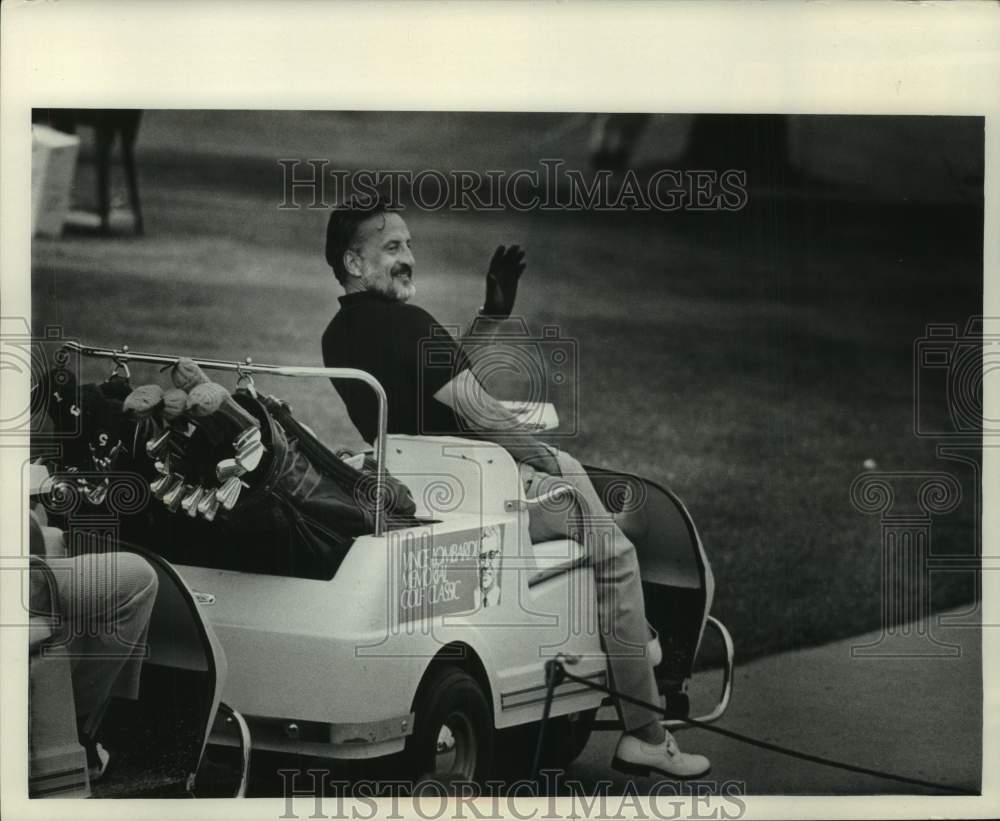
(451, 707)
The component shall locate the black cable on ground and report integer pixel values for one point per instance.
(554, 676)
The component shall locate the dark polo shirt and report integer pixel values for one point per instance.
(408, 351)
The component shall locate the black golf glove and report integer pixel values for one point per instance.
(506, 268)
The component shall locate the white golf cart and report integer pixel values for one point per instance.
(429, 639)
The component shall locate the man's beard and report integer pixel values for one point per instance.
(394, 287)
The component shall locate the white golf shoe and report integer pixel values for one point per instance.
(637, 757)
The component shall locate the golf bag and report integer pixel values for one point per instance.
(296, 511)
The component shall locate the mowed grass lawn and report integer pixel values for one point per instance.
(750, 361)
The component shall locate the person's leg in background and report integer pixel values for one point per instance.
(106, 600)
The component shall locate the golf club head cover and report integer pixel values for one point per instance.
(187, 374)
(211, 399)
(144, 401)
(174, 404)
(212, 408)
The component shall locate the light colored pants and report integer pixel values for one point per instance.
(105, 603)
(621, 610)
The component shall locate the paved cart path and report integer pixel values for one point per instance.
(919, 717)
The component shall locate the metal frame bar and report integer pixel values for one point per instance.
(552, 496)
(519, 505)
(710, 621)
(721, 705)
(727, 680)
(245, 747)
(123, 356)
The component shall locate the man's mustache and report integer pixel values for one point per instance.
(402, 268)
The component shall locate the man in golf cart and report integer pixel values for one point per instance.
(378, 331)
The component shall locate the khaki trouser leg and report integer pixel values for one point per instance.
(105, 600)
(620, 606)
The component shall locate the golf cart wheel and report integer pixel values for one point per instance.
(453, 729)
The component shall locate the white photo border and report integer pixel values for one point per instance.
(685, 57)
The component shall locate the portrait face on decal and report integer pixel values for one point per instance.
(490, 553)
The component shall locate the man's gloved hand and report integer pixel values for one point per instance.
(506, 268)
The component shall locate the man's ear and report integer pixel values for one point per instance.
(352, 262)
